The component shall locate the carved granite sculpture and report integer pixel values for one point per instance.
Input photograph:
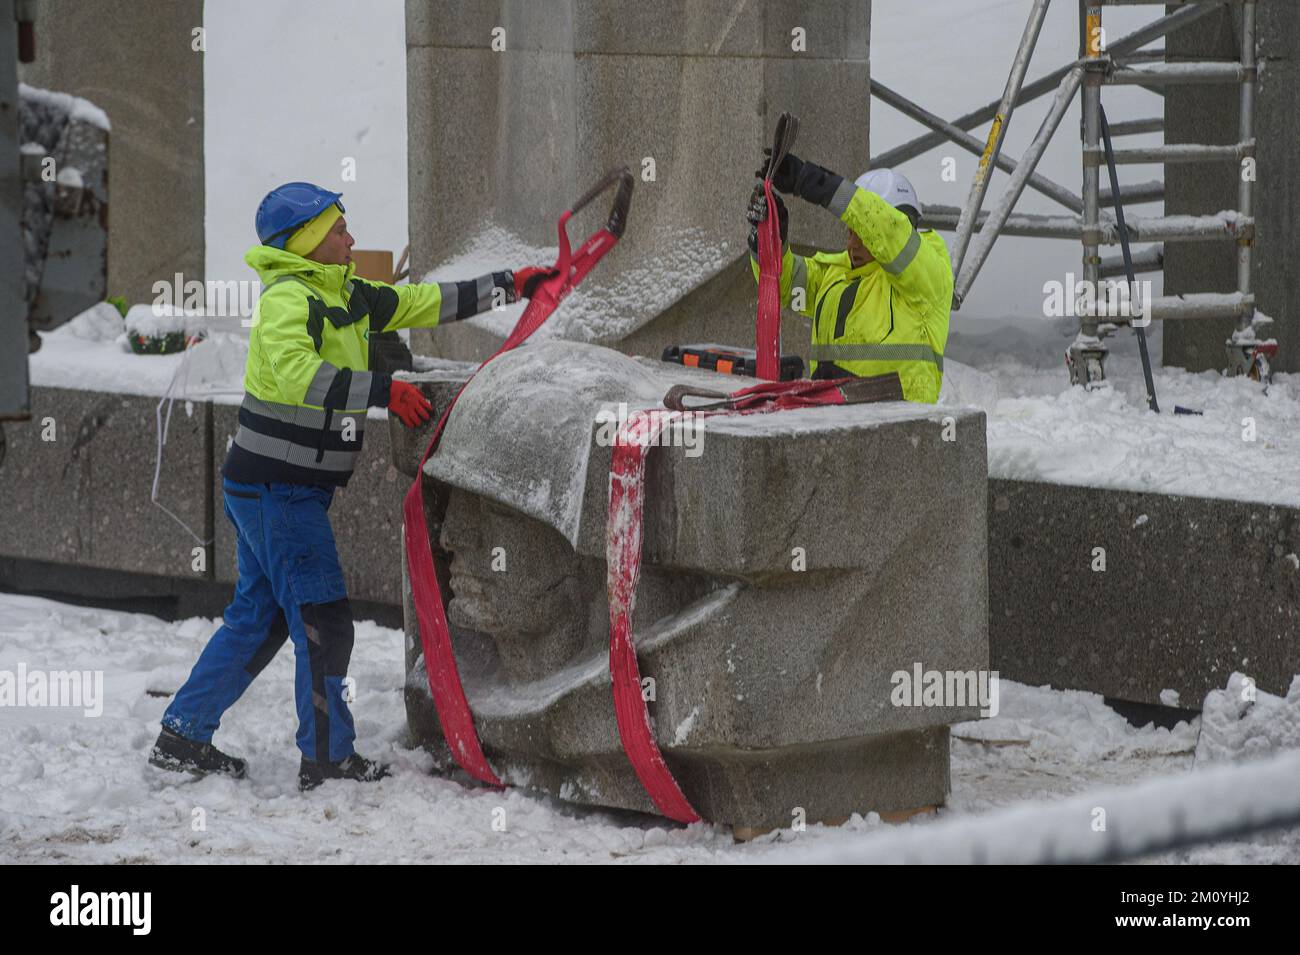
(794, 563)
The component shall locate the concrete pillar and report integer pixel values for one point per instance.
(135, 59)
(510, 137)
(1209, 114)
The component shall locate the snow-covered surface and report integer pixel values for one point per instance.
(78, 109)
(1245, 445)
(77, 788)
(543, 401)
(91, 353)
(162, 320)
(1101, 826)
(1243, 722)
(540, 402)
(594, 312)
(492, 249)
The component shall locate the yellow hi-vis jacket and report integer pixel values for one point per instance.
(889, 315)
(307, 382)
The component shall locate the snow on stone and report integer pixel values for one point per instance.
(90, 353)
(99, 323)
(161, 320)
(594, 312)
(70, 177)
(78, 109)
(542, 401)
(683, 729)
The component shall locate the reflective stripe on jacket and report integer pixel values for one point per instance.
(307, 384)
(889, 315)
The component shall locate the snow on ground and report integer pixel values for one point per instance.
(77, 788)
(1244, 446)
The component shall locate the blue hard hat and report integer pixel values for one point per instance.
(289, 206)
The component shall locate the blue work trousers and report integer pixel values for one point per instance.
(290, 585)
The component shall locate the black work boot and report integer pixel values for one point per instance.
(311, 773)
(175, 752)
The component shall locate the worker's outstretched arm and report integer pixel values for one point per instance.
(800, 276)
(918, 269)
(426, 304)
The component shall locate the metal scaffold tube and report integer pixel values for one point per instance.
(1246, 132)
(1091, 104)
(1001, 119)
(999, 214)
(1130, 43)
(968, 142)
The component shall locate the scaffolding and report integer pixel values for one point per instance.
(1087, 218)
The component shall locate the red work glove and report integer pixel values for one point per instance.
(405, 401)
(528, 278)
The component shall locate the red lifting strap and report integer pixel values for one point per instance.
(623, 567)
(623, 562)
(768, 339)
(768, 342)
(439, 659)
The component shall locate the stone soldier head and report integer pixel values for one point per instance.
(525, 510)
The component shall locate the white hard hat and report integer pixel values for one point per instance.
(891, 186)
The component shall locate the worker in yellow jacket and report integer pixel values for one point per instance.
(307, 387)
(881, 305)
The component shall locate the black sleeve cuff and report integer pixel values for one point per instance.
(817, 184)
(381, 386)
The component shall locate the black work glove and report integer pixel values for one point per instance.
(756, 213)
(804, 179)
(786, 174)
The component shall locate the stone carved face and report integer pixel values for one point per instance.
(517, 580)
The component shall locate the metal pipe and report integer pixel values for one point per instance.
(1132, 127)
(1202, 305)
(944, 218)
(998, 215)
(1001, 119)
(1141, 229)
(1177, 74)
(1045, 84)
(968, 142)
(1150, 259)
(1183, 229)
(1134, 193)
(1246, 132)
(1095, 72)
(1176, 153)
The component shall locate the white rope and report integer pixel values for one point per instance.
(169, 399)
